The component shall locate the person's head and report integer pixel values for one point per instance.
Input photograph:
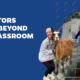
(49, 33)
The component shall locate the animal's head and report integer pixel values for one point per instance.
(56, 34)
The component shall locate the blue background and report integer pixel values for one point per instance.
(19, 57)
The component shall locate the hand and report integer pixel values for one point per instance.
(53, 50)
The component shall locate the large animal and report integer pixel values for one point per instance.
(63, 48)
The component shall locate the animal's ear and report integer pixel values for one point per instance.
(52, 29)
(59, 28)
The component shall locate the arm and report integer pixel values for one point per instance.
(76, 35)
(44, 50)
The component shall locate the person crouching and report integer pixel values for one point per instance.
(46, 55)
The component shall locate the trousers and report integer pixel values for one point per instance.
(50, 67)
(78, 38)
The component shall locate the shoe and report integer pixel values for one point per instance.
(45, 78)
(51, 76)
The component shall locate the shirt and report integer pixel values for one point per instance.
(45, 53)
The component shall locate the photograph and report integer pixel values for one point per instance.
(40, 39)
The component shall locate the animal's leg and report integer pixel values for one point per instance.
(63, 59)
(70, 58)
(57, 61)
